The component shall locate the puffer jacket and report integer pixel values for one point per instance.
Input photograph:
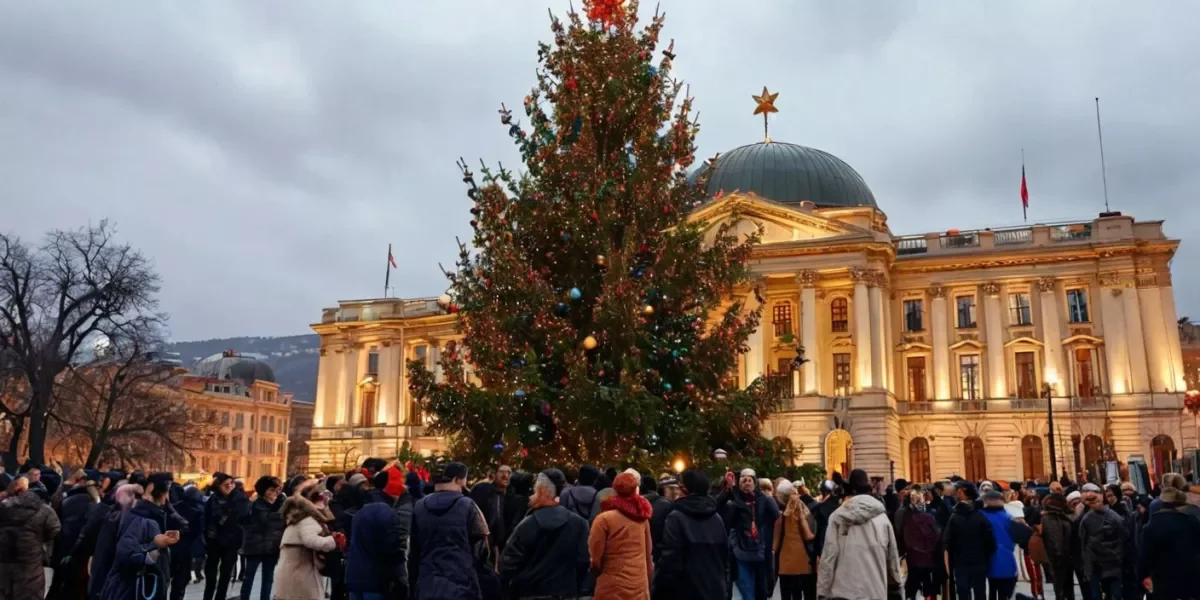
(860, 556)
(73, 513)
(27, 523)
(1056, 535)
(695, 552)
(262, 528)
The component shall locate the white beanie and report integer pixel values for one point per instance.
(747, 472)
(986, 484)
(1074, 496)
(784, 489)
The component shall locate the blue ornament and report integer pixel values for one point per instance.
(566, 235)
(520, 394)
(675, 353)
(653, 71)
(575, 293)
(561, 309)
(499, 447)
(667, 385)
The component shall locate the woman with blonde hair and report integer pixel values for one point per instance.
(306, 539)
(791, 544)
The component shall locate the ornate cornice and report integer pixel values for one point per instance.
(936, 291)
(1117, 280)
(938, 262)
(1045, 284)
(860, 275)
(808, 278)
(991, 288)
(879, 279)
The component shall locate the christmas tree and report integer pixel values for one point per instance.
(600, 325)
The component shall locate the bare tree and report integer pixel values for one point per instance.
(53, 300)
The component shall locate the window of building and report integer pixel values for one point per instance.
(969, 380)
(279, 447)
(373, 362)
(239, 421)
(250, 445)
(1084, 373)
(283, 428)
(1026, 363)
(966, 311)
(1077, 305)
(221, 466)
(237, 443)
(206, 463)
(916, 380)
(841, 374)
(1019, 310)
(366, 417)
(225, 389)
(974, 459)
(912, 316)
(781, 318)
(919, 470)
(1031, 458)
(1093, 452)
(253, 418)
(234, 466)
(222, 442)
(271, 424)
(839, 313)
(225, 419)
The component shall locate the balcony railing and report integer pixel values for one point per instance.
(1072, 232)
(968, 239)
(1003, 405)
(1009, 237)
(911, 245)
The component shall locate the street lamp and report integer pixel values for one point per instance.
(1048, 392)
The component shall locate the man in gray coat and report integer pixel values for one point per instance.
(1102, 534)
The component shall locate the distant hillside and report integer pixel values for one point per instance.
(294, 358)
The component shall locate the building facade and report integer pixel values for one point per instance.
(245, 415)
(298, 436)
(928, 355)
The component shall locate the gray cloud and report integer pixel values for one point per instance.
(266, 153)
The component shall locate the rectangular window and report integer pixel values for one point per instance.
(252, 424)
(1077, 305)
(283, 428)
(1026, 363)
(271, 424)
(206, 463)
(841, 374)
(968, 368)
(225, 419)
(966, 311)
(1084, 374)
(279, 447)
(781, 317)
(250, 445)
(234, 466)
(912, 316)
(1019, 310)
(237, 443)
(916, 379)
(839, 313)
(239, 421)
(222, 442)
(373, 362)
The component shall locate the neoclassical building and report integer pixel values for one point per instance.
(928, 355)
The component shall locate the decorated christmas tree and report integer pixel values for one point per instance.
(600, 325)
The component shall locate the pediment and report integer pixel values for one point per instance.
(778, 223)
(968, 343)
(1082, 339)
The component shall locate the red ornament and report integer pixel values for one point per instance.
(571, 84)
(608, 12)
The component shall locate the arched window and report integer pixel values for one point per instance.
(974, 462)
(1162, 449)
(839, 314)
(839, 452)
(1093, 452)
(781, 318)
(1032, 459)
(919, 470)
(366, 414)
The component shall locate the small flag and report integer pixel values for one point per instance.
(1024, 194)
(392, 260)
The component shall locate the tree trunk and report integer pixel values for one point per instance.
(42, 393)
(11, 462)
(98, 446)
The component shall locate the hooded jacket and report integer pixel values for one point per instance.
(296, 573)
(376, 554)
(73, 513)
(546, 555)
(447, 529)
(579, 499)
(860, 556)
(221, 514)
(1170, 554)
(620, 548)
(26, 524)
(968, 539)
(1102, 536)
(137, 558)
(694, 552)
(1003, 564)
(191, 508)
(1056, 535)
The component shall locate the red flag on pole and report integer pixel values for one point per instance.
(392, 259)
(1024, 195)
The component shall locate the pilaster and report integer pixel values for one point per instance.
(1052, 370)
(997, 374)
(941, 344)
(1135, 339)
(877, 360)
(754, 362)
(1116, 348)
(321, 402)
(864, 372)
(808, 331)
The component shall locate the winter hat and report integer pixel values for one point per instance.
(748, 472)
(588, 475)
(1128, 487)
(1074, 496)
(986, 485)
(827, 487)
(626, 484)
(1056, 502)
(1091, 487)
(647, 485)
(785, 489)
(859, 482)
(356, 480)
(901, 484)
(696, 482)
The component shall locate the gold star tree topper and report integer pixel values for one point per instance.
(766, 106)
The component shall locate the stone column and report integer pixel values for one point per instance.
(390, 369)
(1158, 350)
(889, 345)
(877, 360)
(754, 360)
(322, 401)
(862, 329)
(347, 384)
(1170, 324)
(941, 344)
(1112, 317)
(808, 331)
(435, 355)
(997, 374)
(1052, 367)
(1139, 373)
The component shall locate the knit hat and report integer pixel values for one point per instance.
(394, 486)
(1074, 496)
(986, 484)
(626, 484)
(1127, 487)
(1091, 487)
(696, 482)
(748, 472)
(784, 489)
(587, 475)
(356, 480)
(557, 478)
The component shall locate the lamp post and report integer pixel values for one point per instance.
(1048, 392)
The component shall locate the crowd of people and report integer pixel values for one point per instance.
(391, 532)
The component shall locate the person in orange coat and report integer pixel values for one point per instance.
(619, 542)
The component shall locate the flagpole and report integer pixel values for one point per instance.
(1103, 170)
(1024, 203)
(387, 278)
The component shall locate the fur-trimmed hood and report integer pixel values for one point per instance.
(296, 509)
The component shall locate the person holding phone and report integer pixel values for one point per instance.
(142, 563)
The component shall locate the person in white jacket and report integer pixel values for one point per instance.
(860, 559)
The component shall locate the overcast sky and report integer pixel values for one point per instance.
(264, 154)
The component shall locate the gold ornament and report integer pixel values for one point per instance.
(648, 310)
(590, 343)
(601, 261)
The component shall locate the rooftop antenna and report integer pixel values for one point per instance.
(1103, 169)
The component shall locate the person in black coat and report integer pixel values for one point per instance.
(262, 532)
(222, 535)
(189, 507)
(969, 543)
(104, 549)
(70, 577)
(695, 550)
(1170, 549)
(547, 553)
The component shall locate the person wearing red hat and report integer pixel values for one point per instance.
(619, 543)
